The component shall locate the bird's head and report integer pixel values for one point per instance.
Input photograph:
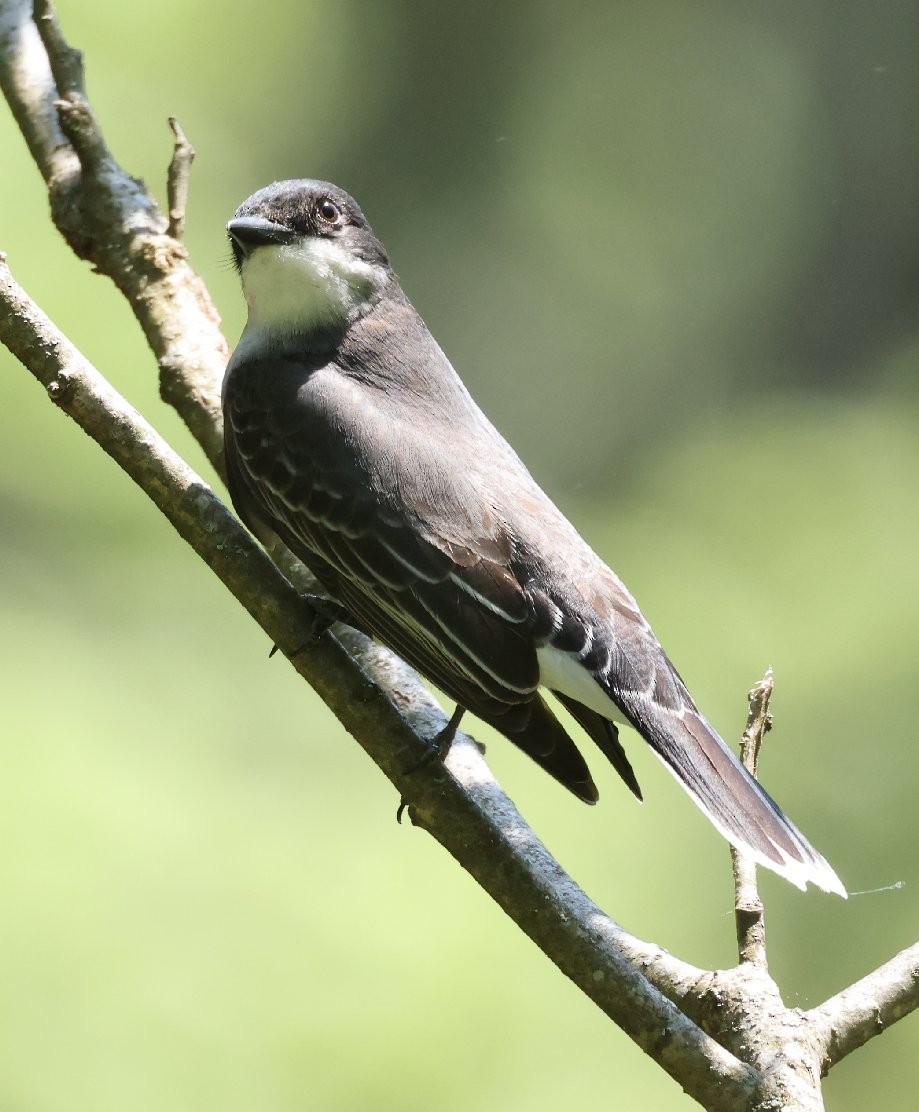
(308, 260)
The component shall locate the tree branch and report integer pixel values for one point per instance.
(30, 90)
(459, 804)
(177, 179)
(724, 1036)
(110, 218)
(867, 1008)
(749, 917)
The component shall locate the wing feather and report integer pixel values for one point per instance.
(401, 523)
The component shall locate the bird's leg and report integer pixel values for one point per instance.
(441, 742)
(438, 748)
(321, 613)
(439, 745)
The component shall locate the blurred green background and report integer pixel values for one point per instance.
(673, 250)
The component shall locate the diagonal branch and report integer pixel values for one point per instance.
(663, 1004)
(460, 804)
(867, 1008)
(30, 90)
(110, 218)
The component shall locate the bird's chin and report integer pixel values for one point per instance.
(310, 286)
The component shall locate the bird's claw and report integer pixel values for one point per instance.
(438, 748)
(321, 613)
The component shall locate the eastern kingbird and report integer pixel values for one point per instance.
(351, 438)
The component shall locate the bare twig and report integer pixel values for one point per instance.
(110, 218)
(30, 90)
(66, 60)
(177, 179)
(749, 917)
(867, 1008)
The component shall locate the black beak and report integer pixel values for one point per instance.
(249, 232)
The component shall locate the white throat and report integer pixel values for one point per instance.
(303, 286)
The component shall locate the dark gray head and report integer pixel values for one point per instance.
(307, 258)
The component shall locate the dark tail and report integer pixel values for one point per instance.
(605, 736)
(533, 728)
(731, 798)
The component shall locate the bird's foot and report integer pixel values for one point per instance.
(437, 749)
(320, 614)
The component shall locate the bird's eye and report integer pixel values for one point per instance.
(330, 212)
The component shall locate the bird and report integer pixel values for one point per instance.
(349, 437)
